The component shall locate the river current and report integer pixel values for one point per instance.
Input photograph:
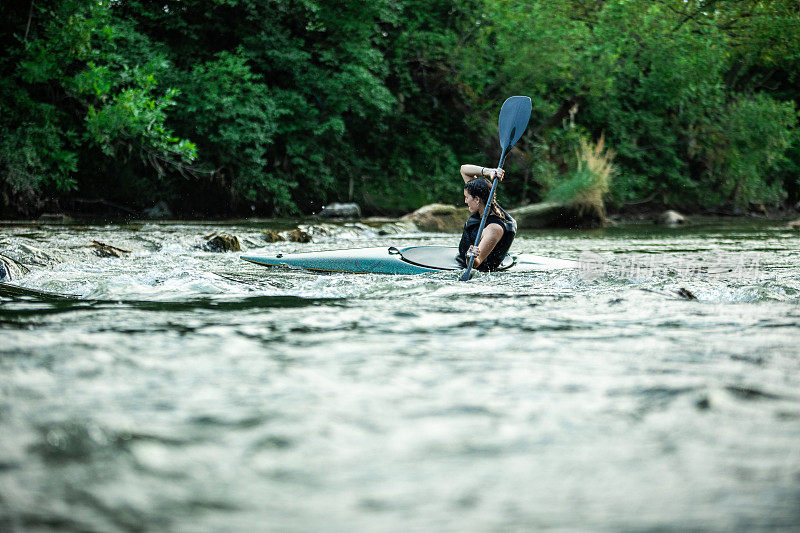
(184, 390)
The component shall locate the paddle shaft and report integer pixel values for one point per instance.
(486, 210)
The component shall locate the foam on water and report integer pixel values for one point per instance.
(195, 391)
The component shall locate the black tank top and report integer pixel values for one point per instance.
(500, 250)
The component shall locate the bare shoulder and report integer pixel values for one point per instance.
(494, 229)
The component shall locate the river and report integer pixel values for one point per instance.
(184, 390)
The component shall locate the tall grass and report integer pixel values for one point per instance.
(583, 190)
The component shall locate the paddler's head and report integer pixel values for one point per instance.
(476, 194)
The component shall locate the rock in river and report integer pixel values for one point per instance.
(295, 235)
(337, 210)
(438, 218)
(224, 242)
(560, 215)
(298, 235)
(671, 218)
(102, 249)
(270, 235)
(10, 269)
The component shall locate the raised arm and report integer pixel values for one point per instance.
(470, 172)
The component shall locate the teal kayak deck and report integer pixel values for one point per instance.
(390, 260)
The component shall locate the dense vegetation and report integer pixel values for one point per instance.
(224, 107)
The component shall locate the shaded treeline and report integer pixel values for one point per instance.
(274, 107)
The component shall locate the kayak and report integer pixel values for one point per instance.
(391, 260)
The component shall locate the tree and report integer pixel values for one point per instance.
(80, 91)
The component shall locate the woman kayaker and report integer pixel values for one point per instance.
(500, 229)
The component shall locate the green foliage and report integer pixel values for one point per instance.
(274, 106)
(747, 151)
(234, 118)
(136, 113)
(80, 80)
(33, 154)
(424, 138)
(657, 78)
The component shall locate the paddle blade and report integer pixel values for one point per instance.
(514, 116)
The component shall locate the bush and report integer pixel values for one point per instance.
(585, 187)
(746, 152)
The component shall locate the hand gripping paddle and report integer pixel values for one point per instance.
(514, 116)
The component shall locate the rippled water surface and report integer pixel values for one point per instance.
(183, 390)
